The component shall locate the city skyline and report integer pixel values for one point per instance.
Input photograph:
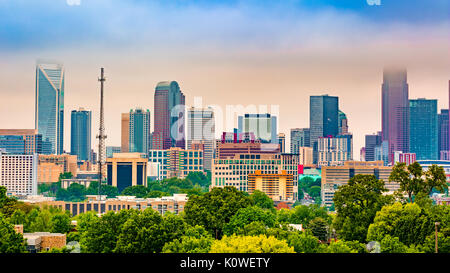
(233, 66)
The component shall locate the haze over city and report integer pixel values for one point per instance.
(228, 53)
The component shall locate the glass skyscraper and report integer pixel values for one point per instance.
(424, 129)
(323, 119)
(80, 140)
(139, 131)
(49, 106)
(443, 133)
(372, 141)
(395, 111)
(299, 138)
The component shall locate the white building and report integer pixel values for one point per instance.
(18, 173)
(334, 151)
(201, 131)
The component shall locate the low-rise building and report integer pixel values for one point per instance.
(51, 166)
(39, 241)
(126, 169)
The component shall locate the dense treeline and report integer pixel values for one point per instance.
(227, 220)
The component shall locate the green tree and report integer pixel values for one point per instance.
(10, 240)
(314, 191)
(215, 208)
(305, 242)
(139, 191)
(195, 240)
(319, 228)
(108, 190)
(261, 200)
(61, 223)
(304, 214)
(250, 244)
(356, 204)
(340, 247)
(245, 216)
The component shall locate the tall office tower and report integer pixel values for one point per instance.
(282, 142)
(323, 119)
(139, 131)
(49, 106)
(168, 116)
(20, 141)
(80, 140)
(343, 123)
(395, 111)
(263, 126)
(424, 129)
(299, 138)
(125, 133)
(443, 145)
(201, 129)
(372, 141)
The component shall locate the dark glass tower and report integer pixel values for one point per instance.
(49, 106)
(424, 129)
(139, 128)
(395, 111)
(443, 120)
(80, 134)
(372, 141)
(323, 119)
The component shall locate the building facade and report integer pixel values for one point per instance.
(18, 173)
(334, 151)
(226, 149)
(282, 142)
(177, 162)
(279, 187)
(423, 129)
(126, 169)
(139, 131)
(443, 133)
(342, 123)
(299, 138)
(407, 158)
(20, 141)
(263, 126)
(372, 141)
(110, 150)
(201, 133)
(80, 140)
(49, 106)
(50, 167)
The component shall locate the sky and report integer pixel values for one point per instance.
(235, 52)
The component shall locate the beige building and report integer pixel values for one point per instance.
(125, 132)
(279, 187)
(40, 241)
(126, 169)
(305, 156)
(51, 166)
(335, 176)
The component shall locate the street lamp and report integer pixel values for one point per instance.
(436, 224)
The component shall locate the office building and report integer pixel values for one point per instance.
(80, 141)
(443, 135)
(323, 120)
(395, 111)
(424, 129)
(305, 155)
(335, 176)
(49, 106)
(139, 138)
(402, 157)
(50, 167)
(282, 142)
(110, 150)
(201, 133)
(382, 152)
(177, 162)
(263, 126)
(169, 112)
(125, 132)
(18, 173)
(226, 149)
(372, 141)
(342, 123)
(126, 169)
(20, 141)
(334, 151)
(299, 138)
(279, 187)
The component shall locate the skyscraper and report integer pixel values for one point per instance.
(443, 133)
(139, 131)
(282, 142)
(263, 126)
(424, 129)
(372, 141)
(201, 130)
(168, 116)
(323, 119)
(299, 138)
(395, 111)
(125, 133)
(49, 106)
(80, 140)
(343, 123)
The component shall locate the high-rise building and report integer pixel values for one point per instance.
(20, 141)
(139, 131)
(201, 130)
(80, 140)
(169, 115)
(424, 129)
(334, 151)
(323, 119)
(343, 123)
(282, 142)
(263, 126)
(177, 162)
(372, 141)
(125, 132)
(111, 150)
(49, 106)
(126, 169)
(443, 133)
(225, 149)
(18, 173)
(395, 111)
(299, 138)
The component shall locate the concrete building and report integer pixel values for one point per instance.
(51, 166)
(234, 170)
(279, 187)
(201, 131)
(20, 141)
(305, 155)
(371, 141)
(126, 169)
(227, 149)
(407, 158)
(44, 241)
(125, 132)
(18, 173)
(335, 176)
(334, 151)
(177, 162)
